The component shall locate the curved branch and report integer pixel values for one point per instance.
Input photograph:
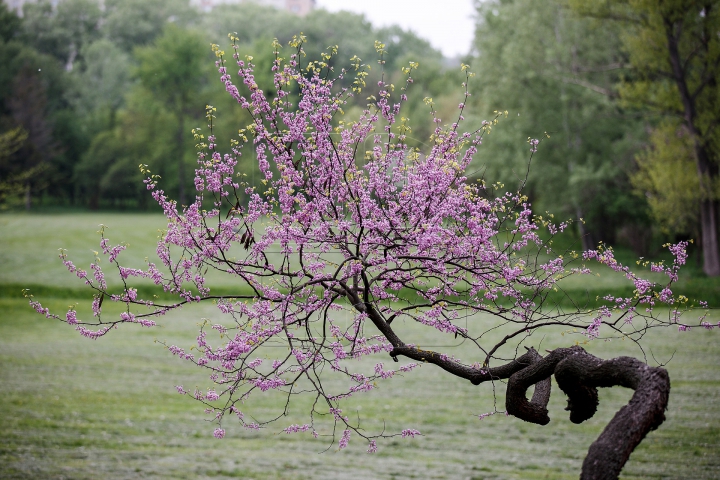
(516, 402)
(476, 376)
(645, 411)
(579, 374)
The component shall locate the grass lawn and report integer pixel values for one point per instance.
(29, 244)
(29, 247)
(75, 408)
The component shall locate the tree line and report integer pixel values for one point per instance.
(89, 93)
(625, 92)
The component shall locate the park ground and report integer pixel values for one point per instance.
(76, 408)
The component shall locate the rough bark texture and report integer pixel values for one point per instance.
(645, 411)
(709, 228)
(579, 374)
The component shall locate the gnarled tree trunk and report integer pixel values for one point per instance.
(579, 374)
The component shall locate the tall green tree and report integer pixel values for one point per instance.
(143, 131)
(13, 175)
(666, 176)
(32, 87)
(10, 23)
(99, 87)
(29, 109)
(132, 23)
(555, 72)
(62, 30)
(175, 69)
(674, 48)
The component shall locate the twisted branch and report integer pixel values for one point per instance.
(579, 374)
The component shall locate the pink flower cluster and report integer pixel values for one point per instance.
(350, 232)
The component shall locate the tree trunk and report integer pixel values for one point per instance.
(589, 241)
(706, 166)
(28, 197)
(578, 375)
(179, 157)
(708, 174)
(645, 411)
(94, 203)
(709, 229)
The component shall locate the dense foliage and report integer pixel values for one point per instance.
(674, 49)
(86, 86)
(556, 72)
(91, 87)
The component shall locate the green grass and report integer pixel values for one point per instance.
(29, 246)
(75, 408)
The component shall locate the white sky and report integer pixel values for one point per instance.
(449, 25)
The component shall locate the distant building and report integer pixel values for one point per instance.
(18, 4)
(14, 4)
(298, 7)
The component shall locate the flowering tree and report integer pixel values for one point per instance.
(390, 236)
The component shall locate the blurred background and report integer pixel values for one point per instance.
(90, 89)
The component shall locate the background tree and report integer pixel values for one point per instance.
(675, 51)
(99, 88)
(541, 61)
(29, 108)
(132, 23)
(14, 177)
(340, 247)
(557, 72)
(144, 132)
(173, 70)
(33, 87)
(667, 177)
(10, 23)
(92, 52)
(256, 25)
(63, 30)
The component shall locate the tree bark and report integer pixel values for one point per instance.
(645, 412)
(579, 374)
(180, 158)
(709, 229)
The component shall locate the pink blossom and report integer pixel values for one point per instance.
(344, 440)
(348, 236)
